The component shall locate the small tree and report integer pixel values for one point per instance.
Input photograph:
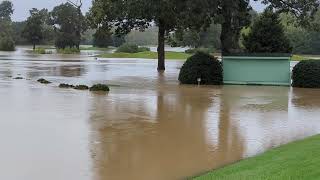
(34, 28)
(267, 35)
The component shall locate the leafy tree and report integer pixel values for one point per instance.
(6, 32)
(34, 28)
(102, 37)
(68, 25)
(6, 10)
(267, 35)
(168, 15)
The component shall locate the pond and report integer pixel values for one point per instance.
(147, 127)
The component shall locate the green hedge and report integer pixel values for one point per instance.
(204, 66)
(306, 74)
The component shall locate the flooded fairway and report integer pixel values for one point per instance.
(147, 127)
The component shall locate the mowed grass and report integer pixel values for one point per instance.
(305, 57)
(296, 161)
(147, 55)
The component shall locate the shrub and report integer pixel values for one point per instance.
(68, 51)
(131, 48)
(44, 81)
(7, 44)
(204, 66)
(143, 49)
(267, 35)
(81, 87)
(99, 87)
(39, 51)
(306, 74)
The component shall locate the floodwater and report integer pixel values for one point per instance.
(147, 127)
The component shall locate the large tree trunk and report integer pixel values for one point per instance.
(161, 47)
(34, 46)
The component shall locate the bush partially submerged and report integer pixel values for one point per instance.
(81, 87)
(204, 66)
(68, 51)
(306, 74)
(66, 85)
(44, 81)
(7, 44)
(18, 78)
(100, 87)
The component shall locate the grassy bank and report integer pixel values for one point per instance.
(295, 161)
(94, 48)
(147, 55)
(304, 57)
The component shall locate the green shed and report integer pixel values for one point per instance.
(257, 70)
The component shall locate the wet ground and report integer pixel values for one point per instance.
(147, 127)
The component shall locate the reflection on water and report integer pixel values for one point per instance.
(147, 127)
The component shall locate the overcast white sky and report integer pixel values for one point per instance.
(22, 7)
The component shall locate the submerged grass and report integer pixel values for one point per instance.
(295, 161)
(147, 55)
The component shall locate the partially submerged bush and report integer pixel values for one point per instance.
(18, 78)
(204, 66)
(131, 48)
(306, 74)
(68, 51)
(39, 51)
(100, 87)
(7, 44)
(66, 85)
(44, 81)
(81, 87)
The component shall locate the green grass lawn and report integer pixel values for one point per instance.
(295, 161)
(304, 57)
(147, 55)
(94, 48)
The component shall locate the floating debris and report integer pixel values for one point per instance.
(44, 81)
(66, 86)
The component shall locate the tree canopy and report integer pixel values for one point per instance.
(35, 26)
(68, 23)
(6, 32)
(168, 15)
(267, 35)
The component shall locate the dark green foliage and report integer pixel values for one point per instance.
(7, 43)
(81, 87)
(44, 81)
(34, 28)
(68, 22)
(267, 35)
(131, 48)
(6, 10)
(168, 15)
(100, 87)
(66, 85)
(6, 33)
(306, 74)
(102, 38)
(204, 66)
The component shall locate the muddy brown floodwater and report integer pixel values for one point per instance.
(147, 127)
